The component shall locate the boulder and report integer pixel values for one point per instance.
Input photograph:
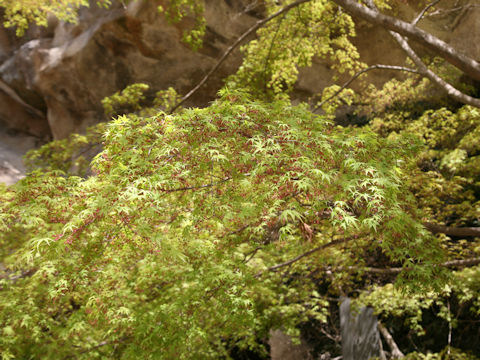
(68, 71)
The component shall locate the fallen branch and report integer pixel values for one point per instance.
(232, 47)
(452, 231)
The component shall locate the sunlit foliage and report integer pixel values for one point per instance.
(195, 233)
(168, 246)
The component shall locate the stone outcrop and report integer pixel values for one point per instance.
(60, 74)
(52, 80)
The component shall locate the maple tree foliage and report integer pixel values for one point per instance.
(197, 232)
(188, 220)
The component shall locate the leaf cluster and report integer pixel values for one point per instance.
(166, 250)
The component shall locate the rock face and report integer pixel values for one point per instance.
(53, 79)
(67, 69)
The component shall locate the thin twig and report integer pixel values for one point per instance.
(267, 59)
(449, 328)
(250, 255)
(251, 30)
(445, 12)
(370, 4)
(422, 13)
(397, 270)
(99, 345)
(301, 256)
(363, 71)
(197, 187)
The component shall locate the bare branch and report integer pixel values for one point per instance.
(370, 4)
(361, 72)
(453, 231)
(98, 346)
(251, 30)
(450, 54)
(422, 13)
(446, 12)
(197, 187)
(397, 270)
(396, 353)
(425, 71)
(308, 253)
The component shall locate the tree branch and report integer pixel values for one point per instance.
(197, 187)
(425, 71)
(396, 353)
(361, 72)
(468, 65)
(242, 37)
(453, 231)
(98, 346)
(422, 13)
(447, 264)
(301, 256)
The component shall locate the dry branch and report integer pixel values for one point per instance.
(468, 65)
(425, 71)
